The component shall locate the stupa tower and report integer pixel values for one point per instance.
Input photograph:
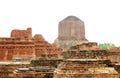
(71, 32)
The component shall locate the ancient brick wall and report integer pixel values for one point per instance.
(42, 47)
(85, 68)
(10, 48)
(86, 46)
(22, 33)
(114, 54)
(21, 44)
(2, 54)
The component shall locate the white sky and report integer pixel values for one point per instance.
(101, 17)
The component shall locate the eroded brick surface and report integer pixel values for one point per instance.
(21, 44)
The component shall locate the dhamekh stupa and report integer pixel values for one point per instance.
(71, 32)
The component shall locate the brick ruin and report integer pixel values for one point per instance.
(11, 48)
(80, 58)
(22, 33)
(87, 57)
(21, 45)
(91, 50)
(42, 47)
(88, 61)
(85, 68)
(80, 61)
(114, 54)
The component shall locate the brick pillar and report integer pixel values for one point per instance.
(6, 53)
